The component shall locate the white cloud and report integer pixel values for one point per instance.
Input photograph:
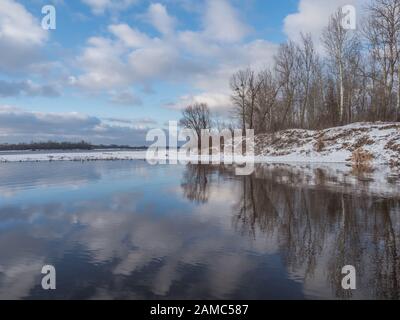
(27, 88)
(125, 98)
(313, 16)
(131, 38)
(102, 64)
(137, 123)
(158, 16)
(21, 36)
(216, 101)
(100, 6)
(222, 22)
(18, 25)
(157, 62)
(203, 59)
(214, 81)
(18, 125)
(132, 58)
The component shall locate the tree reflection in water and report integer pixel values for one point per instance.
(195, 182)
(321, 223)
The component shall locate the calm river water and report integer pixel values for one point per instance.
(129, 230)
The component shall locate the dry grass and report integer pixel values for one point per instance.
(319, 145)
(394, 163)
(361, 160)
(393, 145)
(364, 140)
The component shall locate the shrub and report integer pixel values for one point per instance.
(319, 145)
(361, 160)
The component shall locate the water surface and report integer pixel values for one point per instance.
(129, 230)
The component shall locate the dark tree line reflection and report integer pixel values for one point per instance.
(320, 226)
(195, 182)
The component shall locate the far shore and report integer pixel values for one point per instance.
(359, 144)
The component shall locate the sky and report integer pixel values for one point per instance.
(114, 69)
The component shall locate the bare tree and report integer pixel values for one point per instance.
(382, 32)
(239, 84)
(308, 68)
(340, 45)
(266, 101)
(358, 80)
(287, 64)
(196, 117)
(245, 86)
(253, 90)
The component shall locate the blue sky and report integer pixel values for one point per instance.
(112, 69)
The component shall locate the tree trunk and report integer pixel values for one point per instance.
(304, 106)
(398, 92)
(341, 85)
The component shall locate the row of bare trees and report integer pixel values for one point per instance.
(356, 78)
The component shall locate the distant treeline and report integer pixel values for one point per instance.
(52, 145)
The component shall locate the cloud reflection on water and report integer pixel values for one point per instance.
(204, 234)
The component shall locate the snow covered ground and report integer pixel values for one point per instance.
(72, 156)
(335, 145)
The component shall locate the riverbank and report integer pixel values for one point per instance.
(376, 143)
(358, 143)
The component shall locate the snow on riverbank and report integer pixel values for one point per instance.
(335, 145)
(73, 156)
